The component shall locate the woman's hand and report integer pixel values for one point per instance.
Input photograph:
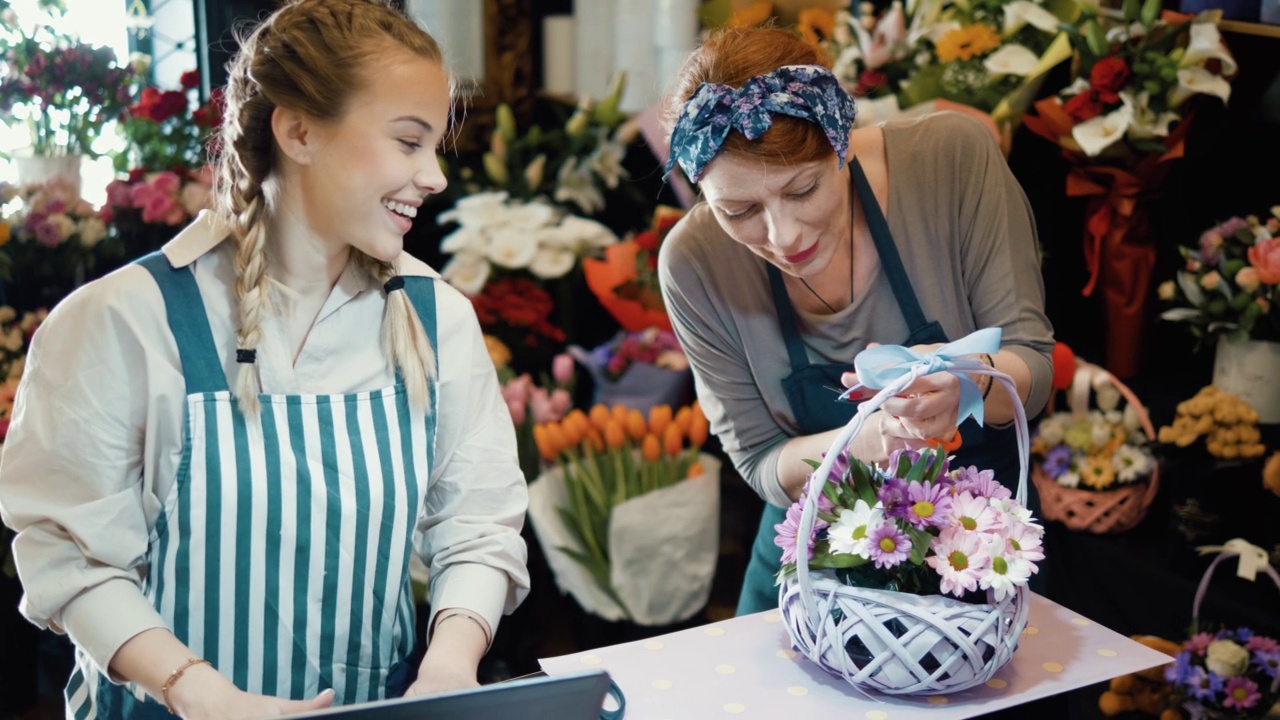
(927, 409)
(434, 679)
(204, 694)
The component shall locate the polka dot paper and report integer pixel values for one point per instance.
(745, 668)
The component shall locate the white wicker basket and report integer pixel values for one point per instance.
(903, 643)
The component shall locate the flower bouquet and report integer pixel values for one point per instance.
(1233, 672)
(629, 516)
(910, 578)
(1121, 124)
(531, 402)
(63, 90)
(54, 242)
(626, 280)
(637, 369)
(1227, 285)
(987, 57)
(1092, 467)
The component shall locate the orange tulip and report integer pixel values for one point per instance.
(659, 418)
(556, 439)
(672, 440)
(599, 414)
(636, 427)
(652, 448)
(545, 449)
(578, 418)
(698, 426)
(619, 414)
(572, 432)
(682, 419)
(695, 469)
(596, 439)
(614, 436)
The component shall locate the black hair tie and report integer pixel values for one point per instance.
(246, 356)
(395, 283)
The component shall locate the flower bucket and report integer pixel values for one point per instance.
(1098, 511)
(894, 642)
(663, 547)
(642, 386)
(1248, 369)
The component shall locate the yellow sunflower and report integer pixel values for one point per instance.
(966, 42)
(816, 24)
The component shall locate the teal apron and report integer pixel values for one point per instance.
(813, 402)
(282, 552)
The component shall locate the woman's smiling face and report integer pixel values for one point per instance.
(796, 216)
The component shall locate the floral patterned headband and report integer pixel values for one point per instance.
(808, 92)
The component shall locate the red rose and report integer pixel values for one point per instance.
(869, 81)
(1083, 106)
(190, 80)
(1109, 76)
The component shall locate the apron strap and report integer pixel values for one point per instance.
(786, 319)
(422, 293)
(890, 260)
(189, 324)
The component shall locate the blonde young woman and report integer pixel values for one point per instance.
(223, 455)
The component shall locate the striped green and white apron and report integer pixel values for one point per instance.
(282, 552)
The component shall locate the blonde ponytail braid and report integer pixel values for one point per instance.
(407, 345)
(251, 294)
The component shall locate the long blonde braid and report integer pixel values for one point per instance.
(307, 56)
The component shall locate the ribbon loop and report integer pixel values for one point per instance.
(1252, 558)
(883, 365)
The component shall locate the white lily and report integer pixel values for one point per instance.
(1078, 86)
(468, 272)
(551, 263)
(464, 239)
(511, 247)
(924, 18)
(1099, 133)
(531, 215)
(1120, 34)
(574, 184)
(476, 210)
(585, 234)
(1205, 45)
(1195, 80)
(1025, 12)
(1011, 59)
(606, 163)
(1146, 123)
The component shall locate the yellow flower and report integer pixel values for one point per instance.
(1097, 472)
(751, 15)
(499, 353)
(967, 42)
(816, 24)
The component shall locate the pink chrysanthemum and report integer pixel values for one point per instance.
(1241, 693)
(789, 534)
(927, 505)
(889, 545)
(960, 558)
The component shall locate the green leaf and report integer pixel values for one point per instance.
(1096, 39)
(1150, 12)
(813, 464)
(1130, 10)
(827, 559)
(920, 540)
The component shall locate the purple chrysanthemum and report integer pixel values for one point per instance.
(1241, 693)
(927, 505)
(889, 545)
(1179, 671)
(789, 534)
(1267, 661)
(980, 483)
(1057, 461)
(893, 496)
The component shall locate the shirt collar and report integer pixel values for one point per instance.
(204, 233)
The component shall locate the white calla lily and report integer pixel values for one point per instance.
(939, 30)
(1100, 133)
(468, 272)
(477, 210)
(1025, 12)
(1011, 59)
(1205, 45)
(551, 263)
(1196, 80)
(1078, 86)
(1146, 123)
(511, 247)
(584, 233)
(463, 239)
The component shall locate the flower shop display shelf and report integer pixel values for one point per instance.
(746, 667)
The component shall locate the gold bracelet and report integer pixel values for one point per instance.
(472, 618)
(174, 677)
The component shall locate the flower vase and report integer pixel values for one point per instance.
(1248, 369)
(34, 169)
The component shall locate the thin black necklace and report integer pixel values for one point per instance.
(815, 292)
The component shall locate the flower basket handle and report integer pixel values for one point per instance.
(1089, 377)
(1252, 559)
(898, 367)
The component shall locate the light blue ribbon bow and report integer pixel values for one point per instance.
(884, 365)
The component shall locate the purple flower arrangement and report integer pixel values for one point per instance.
(917, 526)
(1230, 673)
